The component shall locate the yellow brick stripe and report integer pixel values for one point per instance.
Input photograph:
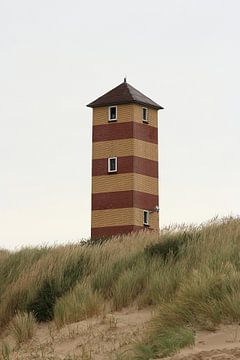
(125, 147)
(119, 217)
(125, 182)
(152, 115)
(146, 184)
(125, 113)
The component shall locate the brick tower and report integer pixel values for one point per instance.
(124, 162)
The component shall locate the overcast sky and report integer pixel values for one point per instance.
(57, 56)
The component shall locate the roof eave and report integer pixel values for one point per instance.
(157, 107)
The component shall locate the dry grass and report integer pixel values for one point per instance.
(5, 351)
(191, 274)
(22, 327)
(77, 305)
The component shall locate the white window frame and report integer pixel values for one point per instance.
(109, 162)
(146, 223)
(109, 113)
(145, 120)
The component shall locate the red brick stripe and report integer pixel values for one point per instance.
(145, 132)
(124, 199)
(108, 231)
(127, 130)
(127, 164)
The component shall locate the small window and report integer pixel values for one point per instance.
(146, 218)
(112, 116)
(145, 115)
(112, 164)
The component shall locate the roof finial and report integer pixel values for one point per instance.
(125, 79)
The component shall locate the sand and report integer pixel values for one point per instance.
(98, 338)
(222, 344)
(104, 336)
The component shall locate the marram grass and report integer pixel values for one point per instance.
(190, 274)
(80, 303)
(22, 327)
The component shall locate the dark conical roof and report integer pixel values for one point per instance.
(124, 94)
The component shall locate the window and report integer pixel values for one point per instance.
(146, 217)
(145, 115)
(112, 113)
(112, 164)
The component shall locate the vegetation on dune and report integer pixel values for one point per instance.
(22, 327)
(80, 303)
(5, 351)
(164, 343)
(191, 274)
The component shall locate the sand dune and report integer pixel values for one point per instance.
(222, 344)
(97, 338)
(104, 336)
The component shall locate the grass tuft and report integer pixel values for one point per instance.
(130, 284)
(77, 305)
(171, 339)
(22, 327)
(144, 352)
(5, 351)
(164, 343)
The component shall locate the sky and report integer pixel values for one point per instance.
(57, 56)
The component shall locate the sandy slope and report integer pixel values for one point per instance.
(97, 338)
(219, 345)
(101, 338)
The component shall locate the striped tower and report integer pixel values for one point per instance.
(124, 162)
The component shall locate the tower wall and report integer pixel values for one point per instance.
(118, 199)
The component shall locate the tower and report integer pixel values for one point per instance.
(124, 162)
